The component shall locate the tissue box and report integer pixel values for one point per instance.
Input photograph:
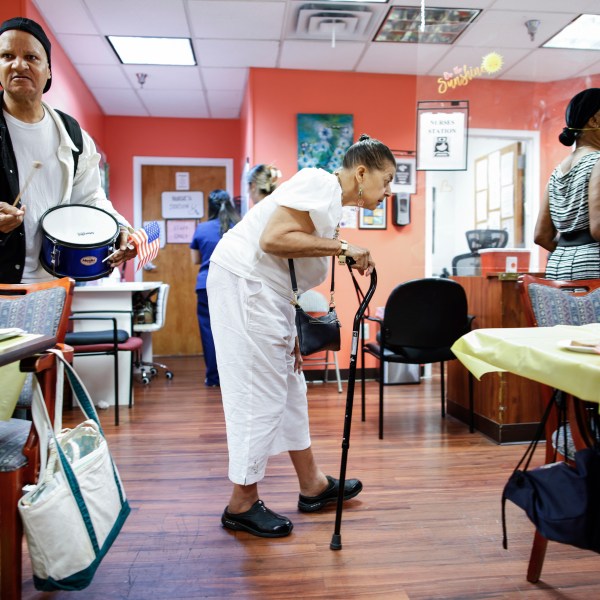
(504, 260)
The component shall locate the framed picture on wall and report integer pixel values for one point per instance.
(373, 219)
(323, 140)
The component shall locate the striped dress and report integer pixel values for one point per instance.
(569, 210)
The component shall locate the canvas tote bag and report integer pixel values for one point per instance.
(76, 510)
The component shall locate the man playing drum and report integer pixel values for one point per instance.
(36, 157)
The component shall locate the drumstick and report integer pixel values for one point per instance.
(36, 164)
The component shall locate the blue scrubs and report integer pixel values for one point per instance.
(206, 237)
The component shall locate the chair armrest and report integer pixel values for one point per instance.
(71, 335)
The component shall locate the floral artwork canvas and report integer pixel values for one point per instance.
(323, 140)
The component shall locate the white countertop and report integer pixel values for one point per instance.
(126, 286)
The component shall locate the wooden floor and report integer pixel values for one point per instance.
(425, 527)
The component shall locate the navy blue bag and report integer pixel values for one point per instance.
(561, 500)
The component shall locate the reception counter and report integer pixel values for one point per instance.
(507, 407)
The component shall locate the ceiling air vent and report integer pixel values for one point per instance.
(320, 20)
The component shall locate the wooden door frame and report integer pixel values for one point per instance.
(141, 161)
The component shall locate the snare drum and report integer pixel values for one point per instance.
(76, 239)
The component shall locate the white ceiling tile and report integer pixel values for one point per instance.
(231, 36)
(297, 54)
(592, 69)
(66, 16)
(507, 29)
(165, 78)
(169, 104)
(547, 64)
(163, 18)
(220, 112)
(236, 20)
(447, 3)
(120, 102)
(385, 57)
(104, 76)
(236, 53)
(548, 6)
(88, 50)
(225, 79)
(225, 99)
(225, 105)
(473, 57)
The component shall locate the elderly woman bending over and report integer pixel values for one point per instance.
(253, 324)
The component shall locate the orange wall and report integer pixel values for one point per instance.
(384, 106)
(127, 137)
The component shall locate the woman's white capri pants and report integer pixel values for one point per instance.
(264, 399)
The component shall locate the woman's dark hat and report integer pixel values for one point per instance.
(29, 26)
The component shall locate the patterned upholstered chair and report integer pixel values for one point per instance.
(37, 308)
(548, 303)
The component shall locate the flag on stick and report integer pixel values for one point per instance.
(147, 242)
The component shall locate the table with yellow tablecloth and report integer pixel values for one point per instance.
(536, 353)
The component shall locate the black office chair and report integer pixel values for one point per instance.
(467, 265)
(422, 319)
(486, 238)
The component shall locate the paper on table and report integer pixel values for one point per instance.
(9, 332)
(586, 346)
(16, 340)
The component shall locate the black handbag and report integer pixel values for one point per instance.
(316, 334)
(560, 499)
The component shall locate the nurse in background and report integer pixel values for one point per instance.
(262, 181)
(222, 216)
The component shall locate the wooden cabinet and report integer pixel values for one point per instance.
(507, 407)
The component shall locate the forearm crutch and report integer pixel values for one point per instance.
(336, 539)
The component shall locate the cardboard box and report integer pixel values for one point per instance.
(504, 260)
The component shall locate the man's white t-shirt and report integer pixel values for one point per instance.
(312, 190)
(36, 142)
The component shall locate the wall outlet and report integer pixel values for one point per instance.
(366, 331)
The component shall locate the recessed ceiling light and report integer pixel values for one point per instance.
(152, 50)
(581, 34)
(442, 25)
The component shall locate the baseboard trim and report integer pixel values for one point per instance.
(502, 434)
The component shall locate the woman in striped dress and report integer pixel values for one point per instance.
(569, 221)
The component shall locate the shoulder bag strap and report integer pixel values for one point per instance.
(295, 285)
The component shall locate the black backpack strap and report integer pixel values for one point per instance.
(74, 130)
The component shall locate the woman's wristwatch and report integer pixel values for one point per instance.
(342, 254)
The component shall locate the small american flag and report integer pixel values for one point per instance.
(147, 242)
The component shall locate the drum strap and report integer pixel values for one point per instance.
(74, 130)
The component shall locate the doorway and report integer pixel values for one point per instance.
(451, 197)
(152, 177)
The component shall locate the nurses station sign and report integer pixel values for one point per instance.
(442, 136)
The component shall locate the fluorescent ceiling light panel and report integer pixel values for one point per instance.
(442, 25)
(580, 34)
(362, 1)
(153, 50)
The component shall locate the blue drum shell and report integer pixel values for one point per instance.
(82, 264)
